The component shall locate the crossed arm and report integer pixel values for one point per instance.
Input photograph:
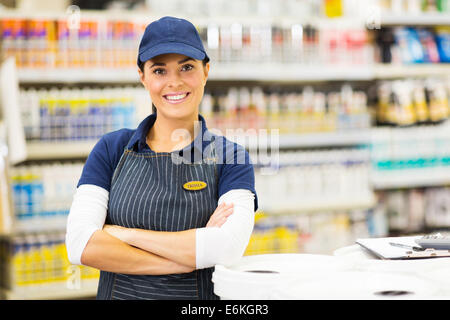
(137, 251)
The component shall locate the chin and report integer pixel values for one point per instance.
(178, 114)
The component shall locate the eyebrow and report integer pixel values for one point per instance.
(159, 64)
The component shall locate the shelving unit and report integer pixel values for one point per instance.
(59, 150)
(322, 205)
(54, 291)
(289, 72)
(45, 76)
(219, 72)
(422, 19)
(268, 73)
(386, 71)
(412, 178)
(78, 150)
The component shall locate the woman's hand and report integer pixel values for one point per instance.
(220, 215)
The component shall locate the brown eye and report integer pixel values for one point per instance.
(159, 71)
(187, 67)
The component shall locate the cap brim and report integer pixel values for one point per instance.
(171, 47)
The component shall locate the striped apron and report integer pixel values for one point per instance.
(147, 193)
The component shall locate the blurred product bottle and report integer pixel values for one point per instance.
(385, 40)
(19, 34)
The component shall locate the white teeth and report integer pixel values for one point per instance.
(179, 97)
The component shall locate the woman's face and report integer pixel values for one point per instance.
(175, 83)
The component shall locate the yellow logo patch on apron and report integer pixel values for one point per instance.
(194, 185)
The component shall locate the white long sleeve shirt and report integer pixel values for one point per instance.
(224, 245)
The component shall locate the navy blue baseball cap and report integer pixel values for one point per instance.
(171, 35)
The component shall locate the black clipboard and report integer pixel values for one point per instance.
(382, 249)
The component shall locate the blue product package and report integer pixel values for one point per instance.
(17, 196)
(429, 46)
(408, 41)
(27, 198)
(116, 115)
(443, 44)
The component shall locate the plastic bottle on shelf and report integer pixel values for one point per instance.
(17, 260)
(212, 35)
(405, 113)
(84, 34)
(37, 192)
(87, 96)
(206, 109)
(74, 54)
(437, 101)
(8, 43)
(62, 50)
(236, 42)
(118, 45)
(53, 110)
(225, 54)
(259, 102)
(94, 44)
(306, 123)
(50, 44)
(244, 106)
(319, 111)
(311, 45)
(420, 103)
(19, 45)
(31, 257)
(130, 108)
(33, 100)
(39, 259)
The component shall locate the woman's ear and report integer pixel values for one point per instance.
(142, 77)
(206, 73)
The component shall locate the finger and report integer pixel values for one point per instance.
(225, 207)
(222, 221)
(220, 211)
(221, 207)
(227, 211)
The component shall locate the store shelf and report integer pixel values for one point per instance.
(327, 139)
(389, 71)
(94, 75)
(411, 178)
(53, 291)
(422, 19)
(81, 149)
(59, 150)
(269, 72)
(41, 224)
(322, 204)
(273, 72)
(288, 72)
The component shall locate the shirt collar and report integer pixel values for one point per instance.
(138, 141)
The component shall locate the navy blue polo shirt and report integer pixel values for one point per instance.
(235, 170)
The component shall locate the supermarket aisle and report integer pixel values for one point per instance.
(343, 108)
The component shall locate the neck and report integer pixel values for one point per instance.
(172, 134)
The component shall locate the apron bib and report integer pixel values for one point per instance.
(147, 193)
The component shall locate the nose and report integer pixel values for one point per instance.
(174, 80)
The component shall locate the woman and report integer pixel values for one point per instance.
(157, 207)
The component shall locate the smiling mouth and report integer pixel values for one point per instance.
(176, 98)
